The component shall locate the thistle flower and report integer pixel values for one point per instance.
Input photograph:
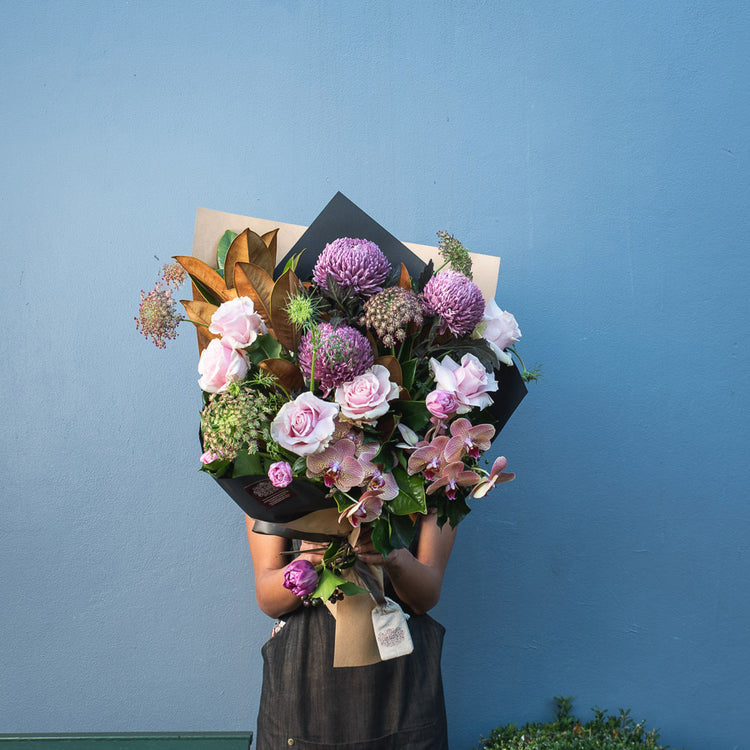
(303, 310)
(157, 316)
(354, 264)
(390, 312)
(237, 419)
(454, 253)
(340, 354)
(456, 300)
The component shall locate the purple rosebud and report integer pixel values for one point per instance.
(441, 404)
(300, 577)
(280, 474)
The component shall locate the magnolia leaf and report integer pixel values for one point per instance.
(285, 331)
(385, 427)
(247, 247)
(221, 251)
(207, 281)
(394, 368)
(425, 276)
(270, 241)
(264, 347)
(404, 280)
(288, 375)
(252, 281)
(199, 312)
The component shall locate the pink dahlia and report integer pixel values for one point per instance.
(354, 264)
(341, 354)
(457, 300)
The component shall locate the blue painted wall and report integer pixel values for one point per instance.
(600, 149)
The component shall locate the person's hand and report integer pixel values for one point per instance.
(365, 549)
(312, 551)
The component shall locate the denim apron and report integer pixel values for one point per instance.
(307, 704)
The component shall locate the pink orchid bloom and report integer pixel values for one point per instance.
(367, 508)
(497, 476)
(378, 480)
(468, 440)
(429, 459)
(453, 476)
(337, 466)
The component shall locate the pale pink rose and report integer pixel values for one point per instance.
(469, 382)
(366, 398)
(305, 425)
(237, 322)
(219, 365)
(280, 473)
(500, 330)
(441, 404)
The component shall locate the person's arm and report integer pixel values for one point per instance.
(268, 567)
(418, 579)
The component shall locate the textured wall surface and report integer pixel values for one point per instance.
(600, 149)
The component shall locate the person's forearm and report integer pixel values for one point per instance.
(270, 593)
(416, 584)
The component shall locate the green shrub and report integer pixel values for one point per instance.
(567, 732)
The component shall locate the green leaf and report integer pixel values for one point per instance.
(205, 292)
(333, 550)
(408, 369)
(381, 534)
(414, 414)
(403, 532)
(264, 347)
(247, 464)
(221, 252)
(411, 497)
(216, 468)
(299, 465)
(291, 264)
(457, 510)
(329, 582)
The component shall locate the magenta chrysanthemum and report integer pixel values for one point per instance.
(457, 300)
(354, 264)
(341, 354)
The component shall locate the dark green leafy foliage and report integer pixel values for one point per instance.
(566, 732)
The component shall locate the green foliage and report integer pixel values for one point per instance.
(566, 732)
(221, 251)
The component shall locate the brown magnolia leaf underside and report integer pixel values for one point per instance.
(252, 281)
(285, 331)
(393, 367)
(202, 274)
(286, 373)
(404, 280)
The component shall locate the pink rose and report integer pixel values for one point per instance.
(219, 365)
(305, 425)
(208, 457)
(300, 577)
(280, 473)
(237, 322)
(366, 398)
(500, 330)
(469, 382)
(441, 404)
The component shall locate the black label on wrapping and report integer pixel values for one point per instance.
(268, 495)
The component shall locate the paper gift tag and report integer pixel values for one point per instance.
(391, 631)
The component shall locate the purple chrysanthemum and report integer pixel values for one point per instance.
(457, 300)
(355, 264)
(341, 354)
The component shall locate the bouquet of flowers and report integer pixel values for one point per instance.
(350, 386)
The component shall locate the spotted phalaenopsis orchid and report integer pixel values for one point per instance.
(454, 475)
(467, 440)
(337, 466)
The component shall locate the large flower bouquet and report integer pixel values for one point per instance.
(343, 392)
